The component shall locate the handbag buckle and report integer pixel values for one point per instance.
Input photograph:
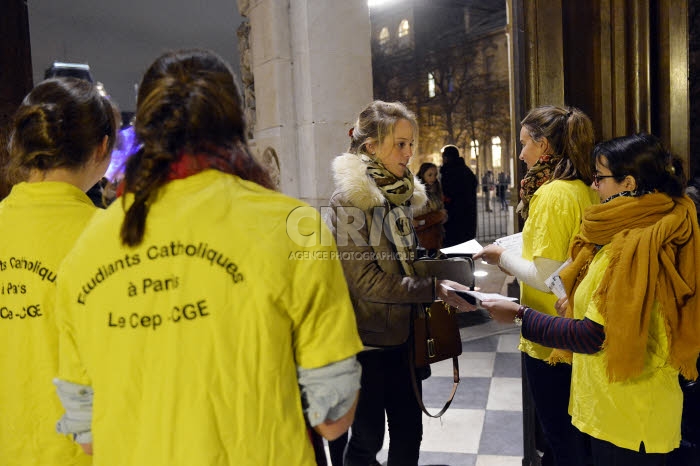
(430, 344)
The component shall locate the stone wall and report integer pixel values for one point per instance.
(311, 76)
(247, 78)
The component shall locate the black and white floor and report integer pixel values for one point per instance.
(483, 426)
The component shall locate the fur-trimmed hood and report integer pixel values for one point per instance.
(351, 179)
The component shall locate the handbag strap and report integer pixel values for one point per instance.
(414, 382)
(412, 363)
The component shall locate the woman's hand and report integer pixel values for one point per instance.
(502, 311)
(449, 296)
(561, 305)
(491, 254)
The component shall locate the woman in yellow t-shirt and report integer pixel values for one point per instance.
(60, 145)
(208, 313)
(556, 144)
(633, 323)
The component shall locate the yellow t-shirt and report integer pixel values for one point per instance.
(191, 340)
(39, 223)
(556, 210)
(644, 409)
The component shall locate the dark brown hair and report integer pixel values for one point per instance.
(59, 125)
(643, 157)
(424, 167)
(569, 133)
(188, 101)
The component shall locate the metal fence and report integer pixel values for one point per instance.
(494, 217)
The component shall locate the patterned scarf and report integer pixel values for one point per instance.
(539, 174)
(654, 248)
(397, 191)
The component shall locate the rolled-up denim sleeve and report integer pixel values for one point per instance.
(329, 392)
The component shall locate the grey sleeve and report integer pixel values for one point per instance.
(77, 401)
(329, 392)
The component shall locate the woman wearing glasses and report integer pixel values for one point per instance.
(556, 146)
(632, 319)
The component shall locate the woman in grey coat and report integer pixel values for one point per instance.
(370, 217)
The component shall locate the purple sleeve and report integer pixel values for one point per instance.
(580, 336)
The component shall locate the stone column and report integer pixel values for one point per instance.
(311, 61)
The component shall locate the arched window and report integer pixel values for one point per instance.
(474, 149)
(384, 36)
(404, 28)
(431, 85)
(496, 152)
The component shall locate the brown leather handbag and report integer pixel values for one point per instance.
(436, 334)
(435, 338)
(435, 329)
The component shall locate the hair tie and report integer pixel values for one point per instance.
(352, 130)
(569, 113)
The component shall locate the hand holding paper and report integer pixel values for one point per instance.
(452, 293)
(473, 296)
(501, 311)
(491, 254)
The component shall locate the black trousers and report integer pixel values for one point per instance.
(606, 454)
(550, 387)
(386, 388)
(336, 448)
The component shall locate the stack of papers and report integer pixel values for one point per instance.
(471, 247)
(469, 295)
(512, 243)
(554, 282)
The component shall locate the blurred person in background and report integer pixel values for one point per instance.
(458, 184)
(429, 219)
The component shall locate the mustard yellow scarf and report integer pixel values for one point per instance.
(654, 247)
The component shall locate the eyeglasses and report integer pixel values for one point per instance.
(597, 178)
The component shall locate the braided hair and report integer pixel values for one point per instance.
(188, 101)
